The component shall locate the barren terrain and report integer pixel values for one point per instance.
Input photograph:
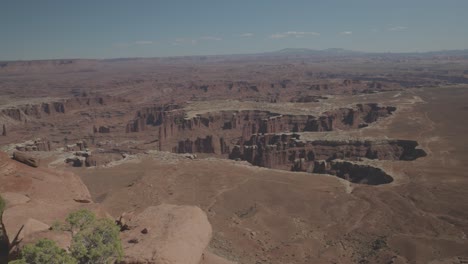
(293, 158)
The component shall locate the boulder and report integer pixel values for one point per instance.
(100, 159)
(189, 156)
(26, 159)
(13, 199)
(34, 145)
(166, 234)
(30, 227)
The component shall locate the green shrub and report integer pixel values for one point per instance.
(44, 252)
(18, 261)
(97, 243)
(59, 226)
(80, 219)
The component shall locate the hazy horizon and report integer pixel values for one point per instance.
(237, 54)
(121, 29)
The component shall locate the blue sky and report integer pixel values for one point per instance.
(50, 29)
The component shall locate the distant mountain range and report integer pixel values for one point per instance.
(313, 51)
(292, 53)
(344, 52)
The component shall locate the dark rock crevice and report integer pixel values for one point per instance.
(355, 173)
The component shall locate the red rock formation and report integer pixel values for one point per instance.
(26, 159)
(78, 146)
(36, 145)
(209, 144)
(285, 151)
(167, 234)
(154, 116)
(13, 113)
(101, 129)
(203, 132)
(101, 158)
(37, 111)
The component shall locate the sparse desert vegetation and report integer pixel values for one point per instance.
(93, 241)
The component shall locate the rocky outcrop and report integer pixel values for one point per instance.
(26, 159)
(283, 151)
(101, 129)
(13, 113)
(34, 145)
(37, 111)
(31, 226)
(94, 159)
(219, 132)
(81, 145)
(28, 195)
(154, 116)
(159, 234)
(209, 144)
(101, 158)
(15, 198)
(167, 234)
(76, 161)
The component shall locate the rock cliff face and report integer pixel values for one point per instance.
(101, 129)
(22, 113)
(35, 145)
(269, 139)
(208, 144)
(219, 132)
(36, 111)
(93, 159)
(101, 158)
(155, 116)
(81, 145)
(283, 151)
(288, 152)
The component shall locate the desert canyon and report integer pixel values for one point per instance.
(283, 157)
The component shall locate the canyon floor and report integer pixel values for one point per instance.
(274, 216)
(295, 163)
